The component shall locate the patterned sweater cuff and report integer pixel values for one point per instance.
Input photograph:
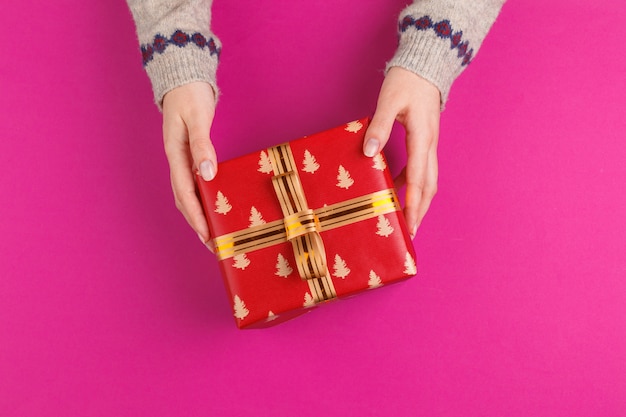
(439, 39)
(433, 50)
(180, 60)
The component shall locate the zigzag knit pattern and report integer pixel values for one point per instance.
(180, 39)
(442, 29)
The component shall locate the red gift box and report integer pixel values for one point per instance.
(303, 223)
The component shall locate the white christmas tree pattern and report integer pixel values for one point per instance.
(309, 162)
(308, 301)
(241, 312)
(344, 180)
(256, 219)
(340, 269)
(354, 127)
(409, 265)
(241, 261)
(265, 164)
(271, 316)
(282, 266)
(221, 204)
(374, 281)
(379, 162)
(384, 227)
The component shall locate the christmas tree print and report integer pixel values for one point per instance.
(241, 312)
(384, 227)
(271, 316)
(221, 204)
(282, 267)
(265, 164)
(344, 180)
(340, 269)
(256, 219)
(409, 265)
(374, 280)
(241, 261)
(308, 301)
(354, 127)
(309, 162)
(379, 162)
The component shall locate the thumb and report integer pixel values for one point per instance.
(201, 147)
(378, 131)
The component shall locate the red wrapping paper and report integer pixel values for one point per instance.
(264, 285)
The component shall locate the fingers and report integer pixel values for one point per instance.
(430, 186)
(421, 177)
(181, 176)
(400, 180)
(187, 118)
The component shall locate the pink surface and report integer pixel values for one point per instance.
(109, 306)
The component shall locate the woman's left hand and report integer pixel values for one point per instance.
(415, 103)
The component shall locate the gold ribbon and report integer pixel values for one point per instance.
(302, 225)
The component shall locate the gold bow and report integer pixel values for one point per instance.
(301, 224)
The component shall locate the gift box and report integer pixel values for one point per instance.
(304, 223)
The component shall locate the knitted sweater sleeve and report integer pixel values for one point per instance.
(439, 38)
(176, 43)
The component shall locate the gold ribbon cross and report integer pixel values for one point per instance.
(302, 226)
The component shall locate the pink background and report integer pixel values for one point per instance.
(109, 305)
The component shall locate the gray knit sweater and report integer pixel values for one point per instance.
(438, 39)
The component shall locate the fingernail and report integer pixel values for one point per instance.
(207, 170)
(371, 147)
(208, 245)
(413, 232)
